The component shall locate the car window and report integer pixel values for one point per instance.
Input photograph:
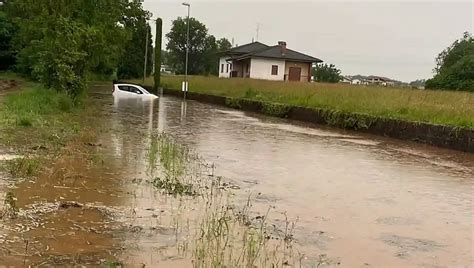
(135, 90)
(124, 88)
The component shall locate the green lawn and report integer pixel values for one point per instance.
(437, 107)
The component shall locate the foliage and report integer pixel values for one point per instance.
(276, 109)
(164, 57)
(436, 107)
(59, 42)
(327, 73)
(158, 38)
(7, 31)
(455, 66)
(203, 48)
(131, 64)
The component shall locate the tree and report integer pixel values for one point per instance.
(198, 42)
(158, 37)
(326, 73)
(223, 44)
(7, 31)
(455, 66)
(131, 64)
(60, 42)
(164, 57)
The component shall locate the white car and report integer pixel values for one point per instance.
(132, 91)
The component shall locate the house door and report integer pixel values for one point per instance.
(294, 74)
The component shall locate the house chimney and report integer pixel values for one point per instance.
(282, 45)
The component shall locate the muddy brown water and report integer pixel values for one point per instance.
(364, 201)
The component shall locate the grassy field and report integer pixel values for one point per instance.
(436, 107)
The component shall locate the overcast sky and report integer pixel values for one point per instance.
(397, 39)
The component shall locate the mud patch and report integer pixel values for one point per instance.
(408, 245)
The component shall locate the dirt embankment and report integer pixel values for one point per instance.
(442, 136)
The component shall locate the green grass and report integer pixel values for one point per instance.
(436, 107)
(33, 106)
(35, 120)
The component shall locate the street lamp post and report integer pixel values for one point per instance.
(185, 83)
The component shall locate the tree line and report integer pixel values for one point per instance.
(61, 43)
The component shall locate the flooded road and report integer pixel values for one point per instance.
(363, 201)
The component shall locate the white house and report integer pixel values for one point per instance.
(259, 61)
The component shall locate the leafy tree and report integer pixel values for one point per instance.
(326, 73)
(223, 44)
(59, 42)
(198, 43)
(7, 30)
(131, 64)
(213, 48)
(164, 57)
(455, 66)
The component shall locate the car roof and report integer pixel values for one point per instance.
(122, 84)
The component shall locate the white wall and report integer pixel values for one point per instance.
(262, 69)
(227, 67)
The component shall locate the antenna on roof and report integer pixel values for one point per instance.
(232, 41)
(253, 40)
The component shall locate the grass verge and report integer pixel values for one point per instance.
(435, 107)
(36, 123)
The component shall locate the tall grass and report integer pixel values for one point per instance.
(33, 105)
(436, 107)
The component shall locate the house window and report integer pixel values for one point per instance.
(222, 67)
(227, 68)
(274, 69)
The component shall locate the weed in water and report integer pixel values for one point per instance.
(174, 186)
(24, 167)
(10, 209)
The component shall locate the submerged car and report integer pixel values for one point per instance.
(132, 91)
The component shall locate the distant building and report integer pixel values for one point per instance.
(345, 80)
(166, 69)
(378, 80)
(259, 61)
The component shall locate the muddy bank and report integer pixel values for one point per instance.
(442, 136)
